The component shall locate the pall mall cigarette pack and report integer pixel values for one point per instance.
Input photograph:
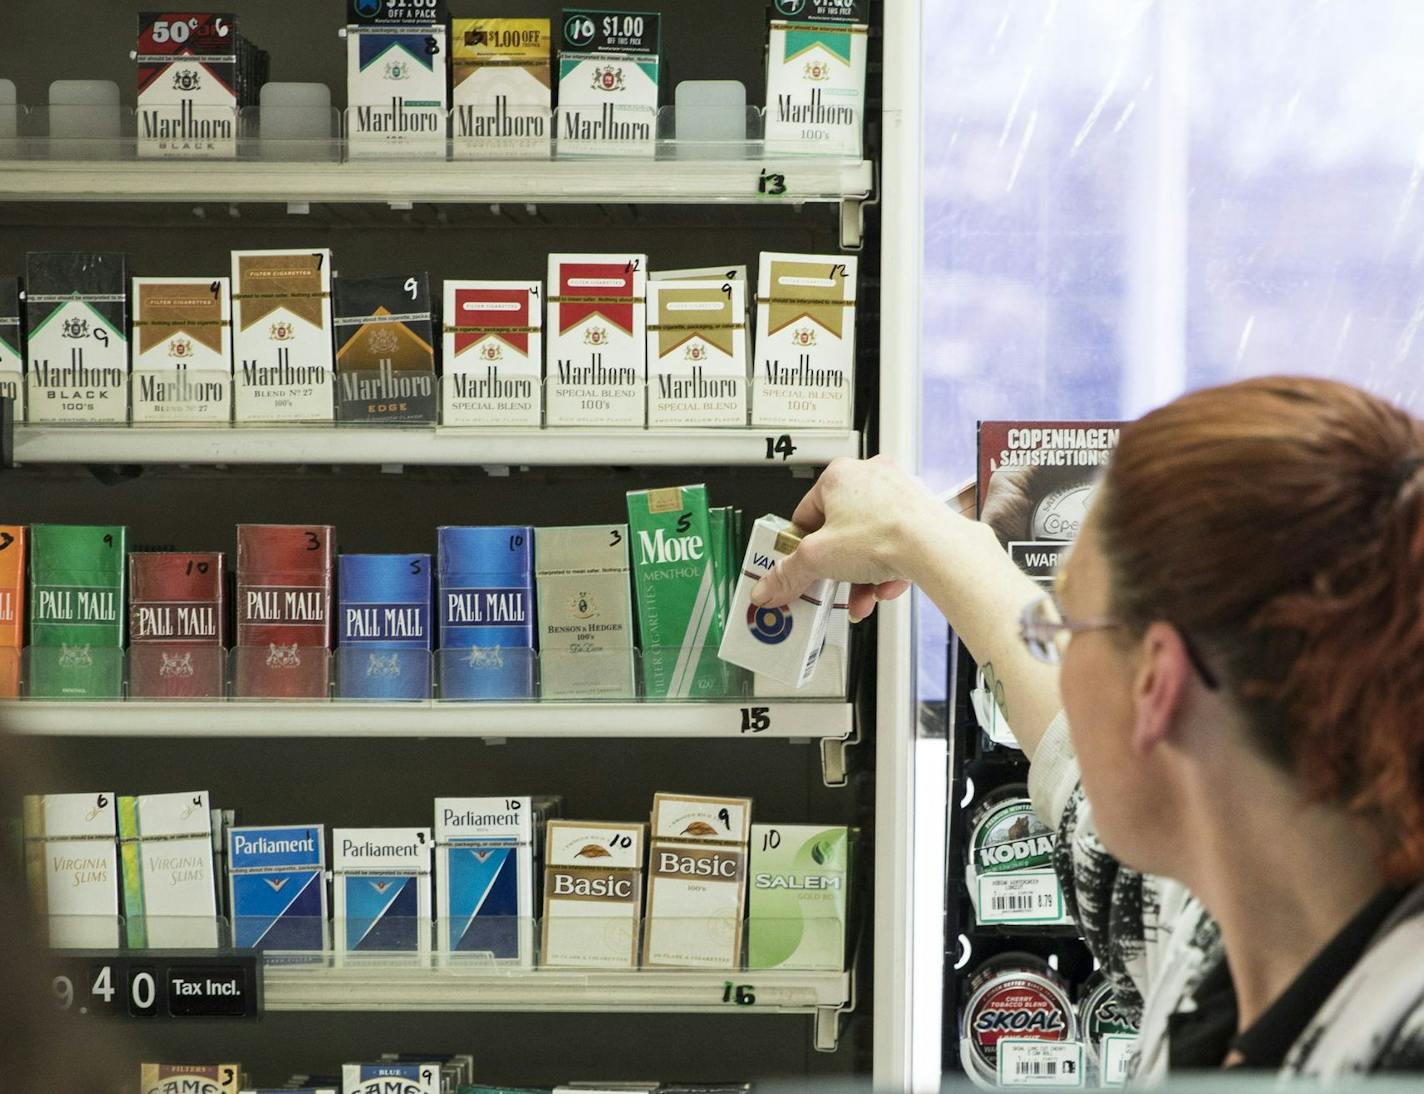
(502, 86)
(177, 617)
(277, 887)
(384, 1078)
(14, 540)
(77, 611)
(494, 354)
(585, 611)
(593, 894)
(12, 353)
(170, 886)
(182, 349)
(608, 82)
(282, 348)
(597, 374)
(485, 877)
(385, 355)
(284, 585)
(796, 916)
(189, 1078)
(381, 888)
(486, 611)
(76, 321)
(384, 635)
(697, 346)
(72, 867)
(396, 81)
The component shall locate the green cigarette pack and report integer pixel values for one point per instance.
(76, 611)
(797, 904)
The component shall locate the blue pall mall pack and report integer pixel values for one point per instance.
(486, 610)
(383, 630)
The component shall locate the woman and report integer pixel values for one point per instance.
(1238, 643)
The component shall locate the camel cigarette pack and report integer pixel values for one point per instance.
(585, 612)
(597, 373)
(381, 889)
(697, 353)
(395, 90)
(593, 894)
(485, 877)
(494, 354)
(14, 543)
(796, 917)
(391, 1078)
(608, 82)
(277, 887)
(76, 611)
(384, 632)
(177, 604)
(189, 1078)
(76, 320)
(170, 887)
(385, 357)
(697, 882)
(282, 346)
(815, 84)
(72, 867)
(502, 86)
(486, 612)
(805, 341)
(284, 586)
(12, 355)
(182, 349)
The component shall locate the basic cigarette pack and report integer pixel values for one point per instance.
(384, 635)
(170, 887)
(176, 622)
(12, 354)
(385, 1078)
(282, 348)
(385, 356)
(284, 585)
(815, 83)
(697, 881)
(277, 887)
(797, 903)
(72, 866)
(608, 82)
(76, 610)
(76, 319)
(381, 889)
(597, 350)
(486, 612)
(697, 345)
(502, 77)
(14, 540)
(189, 1078)
(485, 877)
(805, 342)
(783, 643)
(395, 90)
(182, 349)
(585, 611)
(494, 354)
(593, 894)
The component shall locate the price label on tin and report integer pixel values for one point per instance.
(1029, 896)
(1030, 1062)
(1116, 1054)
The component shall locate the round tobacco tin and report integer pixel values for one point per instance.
(1014, 995)
(1006, 836)
(1098, 1014)
(1061, 513)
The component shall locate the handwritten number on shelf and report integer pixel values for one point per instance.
(771, 184)
(756, 719)
(743, 995)
(780, 446)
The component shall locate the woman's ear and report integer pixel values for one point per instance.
(1158, 685)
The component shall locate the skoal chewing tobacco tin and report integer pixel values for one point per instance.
(1013, 995)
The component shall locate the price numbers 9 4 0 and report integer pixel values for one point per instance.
(104, 988)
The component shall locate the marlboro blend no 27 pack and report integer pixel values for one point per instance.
(182, 349)
(282, 345)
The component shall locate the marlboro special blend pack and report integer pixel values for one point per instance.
(170, 891)
(502, 83)
(675, 578)
(697, 881)
(284, 580)
(597, 372)
(277, 886)
(12, 356)
(815, 83)
(697, 345)
(585, 612)
(593, 894)
(494, 354)
(14, 540)
(190, 1078)
(395, 90)
(384, 633)
(385, 357)
(72, 867)
(76, 312)
(797, 903)
(76, 611)
(485, 872)
(805, 341)
(176, 620)
(182, 349)
(381, 882)
(282, 315)
(608, 82)
(486, 612)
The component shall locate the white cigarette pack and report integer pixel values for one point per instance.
(72, 864)
(831, 675)
(608, 83)
(381, 885)
(697, 364)
(485, 877)
(494, 354)
(815, 83)
(593, 894)
(182, 349)
(282, 345)
(501, 102)
(170, 885)
(597, 346)
(395, 91)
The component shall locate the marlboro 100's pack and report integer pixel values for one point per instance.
(381, 883)
(76, 611)
(385, 356)
(284, 582)
(13, 549)
(277, 885)
(597, 373)
(170, 889)
(805, 341)
(815, 84)
(608, 82)
(395, 90)
(485, 871)
(198, 1078)
(593, 894)
(384, 635)
(796, 916)
(501, 88)
(182, 349)
(697, 346)
(282, 316)
(494, 354)
(176, 614)
(486, 612)
(76, 312)
(585, 612)
(12, 355)
(72, 867)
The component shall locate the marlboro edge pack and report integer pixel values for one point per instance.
(385, 356)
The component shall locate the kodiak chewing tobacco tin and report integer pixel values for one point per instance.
(76, 318)
(494, 354)
(385, 356)
(282, 318)
(182, 349)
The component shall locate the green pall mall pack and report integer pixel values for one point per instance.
(76, 611)
(796, 910)
(675, 575)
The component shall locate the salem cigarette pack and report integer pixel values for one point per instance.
(176, 624)
(697, 344)
(608, 82)
(485, 877)
(277, 887)
(189, 1078)
(282, 348)
(384, 636)
(381, 888)
(593, 894)
(797, 903)
(170, 886)
(597, 373)
(284, 585)
(502, 86)
(76, 319)
(395, 90)
(14, 540)
(486, 612)
(815, 82)
(494, 354)
(585, 612)
(76, 611)
(12, 351)
(182, 349)
(385, 356)
(72, 866)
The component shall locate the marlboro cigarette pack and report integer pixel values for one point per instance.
(815, 84)
(408, 1078)
(76, 319)
(494, 354)
(697, 881)
(385, 357)
(502, 84)
(190, 1078)
(593, 894)
(384, 633)
(585, 612)
(608, 82)
(796, 915)
(277, 887)
(14, 540)
(72, 867)
(697, 343)
(395, 90)
(284, 585)
(805, 342)
(485, 877)
(12, 353)
(396, 13)
(170, 888)
(182, 349)
(176, 616)
(718, 274)
(486, 612)
(381, 887)
(76, 611)
(282, 348)
(597, 372)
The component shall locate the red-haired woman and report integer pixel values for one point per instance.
(1237, 643)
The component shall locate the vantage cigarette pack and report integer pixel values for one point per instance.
(831, 674)
(395, 90)
(485, 877)
(76, 320)
(502, 87)
(14, 540)
(12, 348)
(381, 886)
(189, 1078)
(284, 585)
(697, 346)
(805, 341)
(177, 604)
(494, 354)
(608, 82)
(384, 636)
(170, 886)
(277, 887)
(486, 612)
(797, 903)
(585, 612)
(385, 1078)
(72, 867)
(385, 357)
(597, 373)
(282, 316)
(182, 349)
(815, 82)
(593, 894)
(77, 611)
